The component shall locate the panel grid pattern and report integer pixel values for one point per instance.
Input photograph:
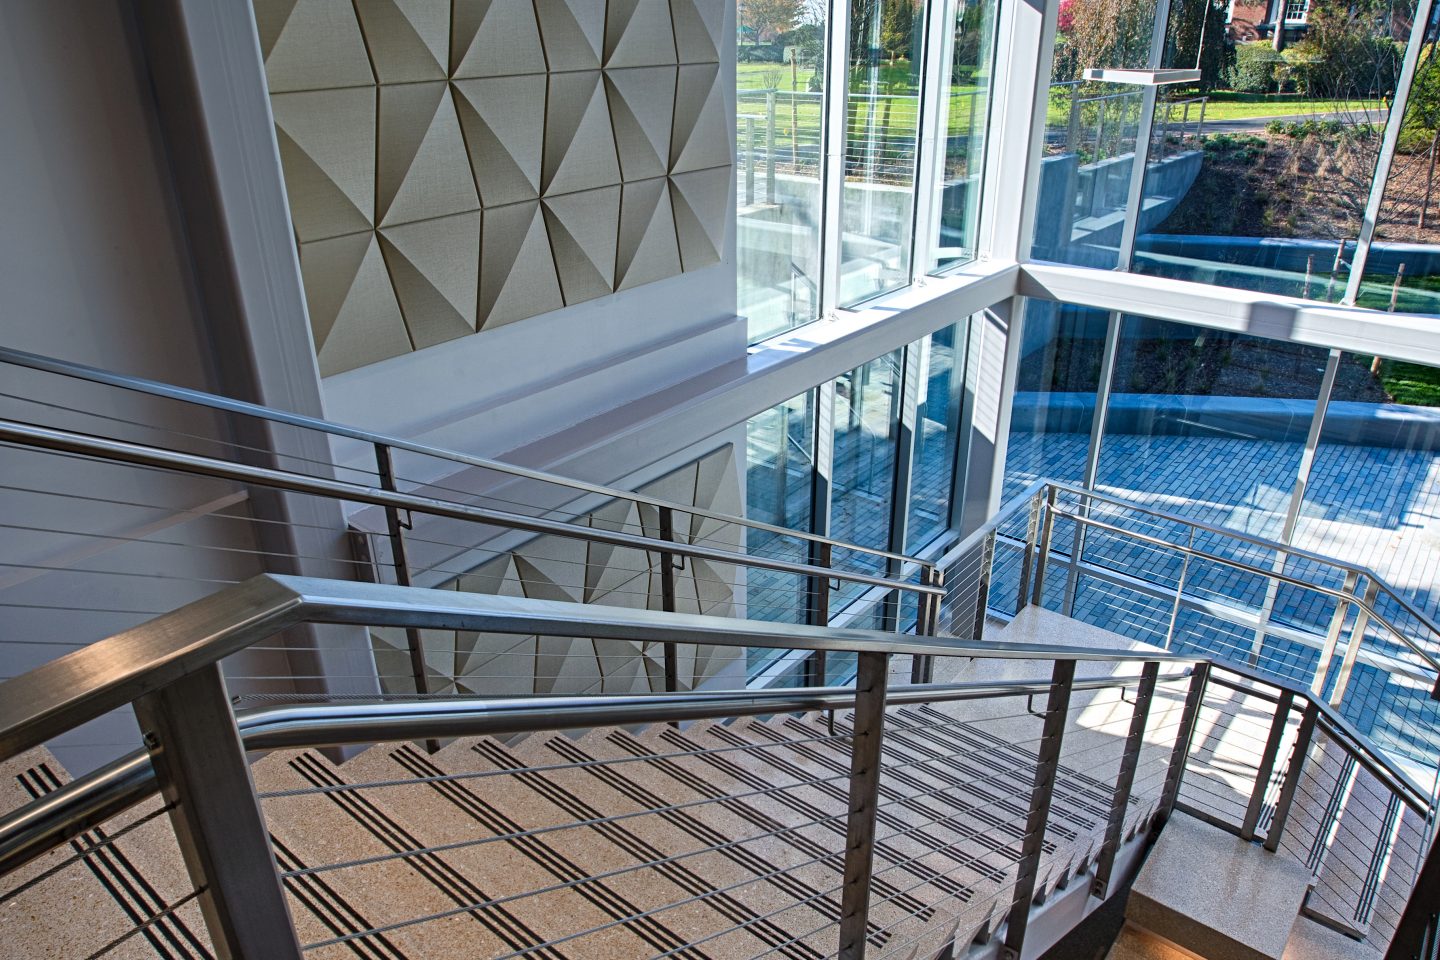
(454, 167)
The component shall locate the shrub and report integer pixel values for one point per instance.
(1275, 126)
(1257, 68)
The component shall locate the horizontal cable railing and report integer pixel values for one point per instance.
(1334, 628)
(86, 541)
(874, 820)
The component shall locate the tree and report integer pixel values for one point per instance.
(1197, 35)
(761, 17)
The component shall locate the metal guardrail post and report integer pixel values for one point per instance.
(982, 591)
(819, 614)
(667, 597)
(1266, 767)
(770, 146)
(749, 161)
(865, 760)
(1352, 649)
(1047, 764)
(1042, 551)
(195, 749)
(927, 623)
(1332, 635)
(414, 642)
(1125, 780)
(1027, 559)
(1298, 755)
(1179, 591)
(1072, 129)
(1181, 753)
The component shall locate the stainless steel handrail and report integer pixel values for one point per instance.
(1260, 571)
(1275, 545)
(89, 682)
(38, 827)
(186, 395)
(1030, 494)
(122, 451)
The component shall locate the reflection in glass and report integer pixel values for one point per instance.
(1275, 201)
(1054, 394)
(779, 113)
(780, 467)
(863, 485)
(1372, 500)
(882, 112)
(1090, 131)
(936, 432)
(1402, 271)
(966, 104)
(1209, 423)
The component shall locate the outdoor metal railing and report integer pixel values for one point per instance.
(662, 540)
(1334, 628)
(1179, 124)
(955, 825)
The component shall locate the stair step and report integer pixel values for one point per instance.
(1216, 895)
(125, 884)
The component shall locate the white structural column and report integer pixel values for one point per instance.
(932, 136)
(1424, 10)
(832, 135)
(1025, 46)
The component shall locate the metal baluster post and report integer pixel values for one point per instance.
(1125, 780)
(770, 146)
(982, 592)
(195, 748)
(1298, 755)
(1027, 559)
(1352, 649)
(1180, 755)
(865, 758)
(1042, 554)
(819, 614)
(1266, 767)
(749, 161)
(386, 467)
(1332, 636)
(1047, 765)
(667, 597)
(927, 624)
(1179, 591)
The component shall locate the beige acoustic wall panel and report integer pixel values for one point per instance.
(561, 568)
(456, 165)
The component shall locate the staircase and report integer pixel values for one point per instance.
(711, 839)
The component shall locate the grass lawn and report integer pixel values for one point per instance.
(1224, 105)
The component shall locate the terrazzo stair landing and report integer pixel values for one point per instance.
(489, 849)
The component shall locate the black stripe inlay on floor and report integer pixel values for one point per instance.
(510, 930)
(884, 849)
(600, 893)
(331, 909)
(834, 859)
(785, 881)
(769, 932)
(170, 936)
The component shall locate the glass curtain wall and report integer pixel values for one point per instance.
(1058, 375)
(968, 61)
(780, 78)
(867, 404)
(882, 126)
(1402, 270)
(1272, 197)
(1373, 499)
(781, 478)
(778, 478)
(1090, 131)
(937, 419)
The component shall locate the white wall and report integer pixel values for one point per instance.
(94, 269)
